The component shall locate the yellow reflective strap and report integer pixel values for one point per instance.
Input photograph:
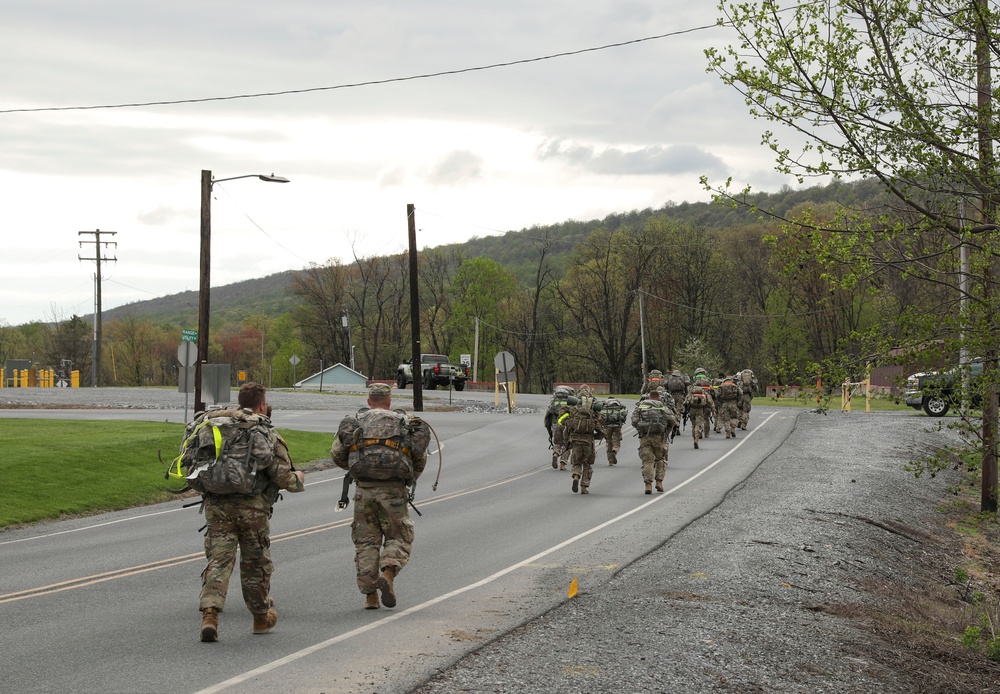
(217, 435)
(176, 471)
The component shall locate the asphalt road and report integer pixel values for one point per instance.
(109, 603)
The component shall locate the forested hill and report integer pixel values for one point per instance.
(517, 251)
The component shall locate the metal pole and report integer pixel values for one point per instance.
(415, 364)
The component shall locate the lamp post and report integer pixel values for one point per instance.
(204, 284)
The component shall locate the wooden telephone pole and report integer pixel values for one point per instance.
(95, 366)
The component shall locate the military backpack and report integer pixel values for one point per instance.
(675, 384)
(699, 398)
(227, 453)
(382, 444)
(728, 390)
(614, 412)
(581, 420)
(652, 419)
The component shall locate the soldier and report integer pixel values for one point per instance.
(582, 424)
(653, 380)
(716, 382)
(730, 395)
(677, 385)
(701, 378)
(243, 521)
(385, 452)
(750, 386)
(562, 398)
(586, 396)
(614, 417)
(699, 403)
(653, 421)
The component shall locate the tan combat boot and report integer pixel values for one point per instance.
(384, 584)
(659, 486)
(649, 487)
(576, 483)
(263, 622)
(583, 490)
(371, 601)
(209, 625)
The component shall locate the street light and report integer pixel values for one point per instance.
(204, 285)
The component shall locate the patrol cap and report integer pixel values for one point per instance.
(380, 389)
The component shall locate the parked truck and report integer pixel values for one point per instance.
(436, 370)
(935, 392)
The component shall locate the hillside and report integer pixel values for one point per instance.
(517, 251)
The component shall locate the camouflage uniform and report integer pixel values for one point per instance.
(729, 405)
(654, 447)
(677, 393)
(237, 521)
(653, 380)
(582, 445)
(750, 386)
(699, 414)
(381, 530)
(560, 442)
(613, 427)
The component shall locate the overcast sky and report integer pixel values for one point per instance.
(477, 153)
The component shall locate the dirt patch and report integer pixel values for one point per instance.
(948, 582)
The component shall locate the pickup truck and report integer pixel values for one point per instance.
(935, 392)
(436, 370)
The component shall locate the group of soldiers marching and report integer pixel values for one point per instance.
(576, 420)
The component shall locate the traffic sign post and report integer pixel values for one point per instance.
(504, 361)
(187, 355)
(189, 336)
(295, 362)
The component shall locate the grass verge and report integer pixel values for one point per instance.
(60, 468)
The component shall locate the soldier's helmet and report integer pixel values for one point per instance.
(655, 373)
(675, 372)
(700, 372)
(585, 389)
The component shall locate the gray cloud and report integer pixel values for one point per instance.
(458, 167)
(653, 160)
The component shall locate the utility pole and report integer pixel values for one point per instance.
(988, 178)
(642, 335)
(418, 376)
(95, 366)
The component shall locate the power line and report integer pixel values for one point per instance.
(370, 83)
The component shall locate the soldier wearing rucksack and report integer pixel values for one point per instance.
(583, 424)
(730, 394)
(653, 421)
(385, 452)
(653, 380)
(562, 398)
(677, 385)
(236, 459)
(614, 414)
(700, 405)
(750, 386)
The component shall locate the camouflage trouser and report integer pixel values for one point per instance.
(232, 526)
(583, 460)
(729, 413)
(653, 454)
(715, 414)
(709, 414)
(613, 441)
(745, 410)
(699, 422)
(382, 531)
(678, 408)
(560, 444)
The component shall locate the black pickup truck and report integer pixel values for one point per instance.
(935, 392)
(436, 369)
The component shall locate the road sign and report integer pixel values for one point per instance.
(465, 359)
(187, 354)
(294, 360)
(504, 362)
(189, 336)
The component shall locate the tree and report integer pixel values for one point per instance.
(899, 91)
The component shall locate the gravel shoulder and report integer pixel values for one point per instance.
(824, 571)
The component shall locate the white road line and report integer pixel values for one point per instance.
(298, 655)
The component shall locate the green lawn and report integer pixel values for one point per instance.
(57, 468)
